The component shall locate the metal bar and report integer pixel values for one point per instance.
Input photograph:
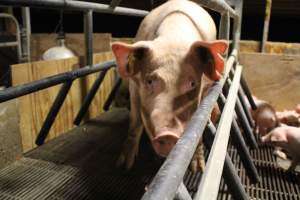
(88, 32)
(229, 174)
(237, 24)
(224, 27)
(75, 5)
(9, 44)
(218, 5)
(170, 175)
(26, 34)
(245, 107)
(114, 3)
(266, 25)
(209, 185)
(19, 50)
(248, 93)
(112, 94)
(27, 88)
(59, 100)
(182, 193)
(89, 97)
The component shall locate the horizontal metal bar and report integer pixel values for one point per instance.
(218, 5)
(170, 175)
(209, 185)
(9, 44)
(27, 88)
(75, 5)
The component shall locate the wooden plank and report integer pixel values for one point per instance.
(75, 41)
(273, 77)
(33, 108)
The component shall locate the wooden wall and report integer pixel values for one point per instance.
(33, 108)
(273, 77)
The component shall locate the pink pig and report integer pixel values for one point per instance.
(288, 138)
(175, 46)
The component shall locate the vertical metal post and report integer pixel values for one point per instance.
(112, 94)
(26, 33)
(237, 24)
(88, 32)
(230, 176)
(89, 97)
(59, 100)
(224, 28)
(266, 25)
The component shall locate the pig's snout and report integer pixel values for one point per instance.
(164, 142)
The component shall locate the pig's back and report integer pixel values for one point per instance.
(200, 18)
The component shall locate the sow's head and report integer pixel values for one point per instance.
(168, 78)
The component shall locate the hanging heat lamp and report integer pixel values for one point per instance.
(60, 51)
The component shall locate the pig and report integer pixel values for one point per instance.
(174, 49)
(297, 109)
(288, 138)
(289, 117)
(264, 117)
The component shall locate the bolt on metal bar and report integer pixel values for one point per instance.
(240, 144)
(170, 175)
(248, 93)
(59, 100)
(112, 94)
(27, 88)
(266, 25)
(182, 193)
(229, 174)
(75, 5)
(114, 3)
(209, 185)
(88, 32)
(89, 97)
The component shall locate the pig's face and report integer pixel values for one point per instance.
(169, 82)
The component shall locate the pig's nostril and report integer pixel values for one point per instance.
(161, 142)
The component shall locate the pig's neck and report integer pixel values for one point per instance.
(178, 28)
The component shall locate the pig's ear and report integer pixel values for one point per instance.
(210, 56)
(126, 54)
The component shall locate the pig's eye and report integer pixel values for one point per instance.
(192, 84)
(149, 82)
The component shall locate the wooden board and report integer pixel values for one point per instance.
(34, 108)
(273, 77)
(74, 41)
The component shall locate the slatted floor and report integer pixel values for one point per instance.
(80, 165)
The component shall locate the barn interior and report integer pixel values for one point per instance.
(72, 154)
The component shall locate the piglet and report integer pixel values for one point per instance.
(288, 138)
(289, 117)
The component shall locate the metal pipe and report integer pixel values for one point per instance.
(182, 193)
(210, 181)
(112, 94)
(8, 44)
(89, 97)
(88, 32)
(170, 175)
(245, 107)
(224, 27)
(247, 92)
(59, 100)
(26, 34)
(27, 88)
(237, 24)
(266, 25)
(19, 50)
(75, 5)
(218, 5)
(229, 174)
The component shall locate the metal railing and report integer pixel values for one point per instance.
(229, 92)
